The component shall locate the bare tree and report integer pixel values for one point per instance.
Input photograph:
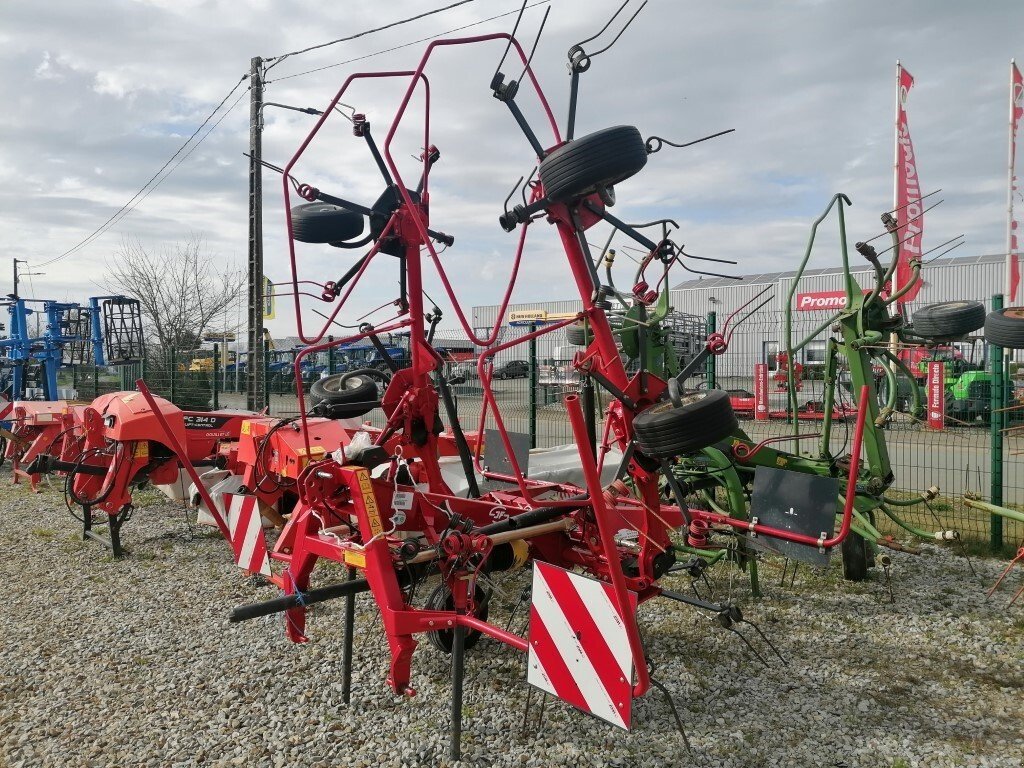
(183, 289)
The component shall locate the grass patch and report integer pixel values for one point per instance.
(44, 533)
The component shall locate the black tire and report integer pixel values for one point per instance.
(578, 334)
(325, 223)
(441, 600)
(592, 162)
(949, 320)
(855, 557)
(344, 395)
(664, 431)
(1005, 328)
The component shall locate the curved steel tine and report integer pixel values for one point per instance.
(514, 188)
(607, 24)
(888, 232)
(767, 641)
(675, 713)
(706, 258)
(529, 179)
(515, 28)
(654, 223)
(624, 28)
(350, 116)
(943, 245)
(652, 148)
(911, 202)
(962, 242)
(536, 41)
(753, 650)
(709, 274)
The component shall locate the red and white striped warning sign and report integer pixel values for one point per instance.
(246, 526)
(579, 649)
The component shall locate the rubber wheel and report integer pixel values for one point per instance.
(949, 320)
(1005, 328)
(664, 431)
(593, 162)
(344, 395)
(441, 600)
(578, 334)
(855, 557)
(325, 223)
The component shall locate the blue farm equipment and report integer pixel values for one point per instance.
(107, 331)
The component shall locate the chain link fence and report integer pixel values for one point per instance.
(976, 455)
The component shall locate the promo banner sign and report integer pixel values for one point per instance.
(761, 391)
(936, 394)
(823, 301)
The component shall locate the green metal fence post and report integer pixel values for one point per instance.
(710, 362)
(330, 357)
(95, 382)
(174, 371)
(998, 388)
(216, 377)
(533, 386)
(266, 376)
(74, 377)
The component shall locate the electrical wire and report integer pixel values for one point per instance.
(404, 45)
(141, 195)
(281, 57)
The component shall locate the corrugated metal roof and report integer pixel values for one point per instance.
(772, 277)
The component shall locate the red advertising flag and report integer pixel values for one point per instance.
(936, 394)
(1012, 254)
(761, 391)
(908, 192)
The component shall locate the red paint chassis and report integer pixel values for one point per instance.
(347, 510)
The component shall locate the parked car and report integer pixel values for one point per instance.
(461, 373)
(513, 369)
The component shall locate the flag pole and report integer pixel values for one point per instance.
(894, 339)
(1011, 293)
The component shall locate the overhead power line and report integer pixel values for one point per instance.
(278, 59)
(142, 193)
(159, 176)
(406, 45)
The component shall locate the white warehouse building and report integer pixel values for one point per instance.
(761, 336)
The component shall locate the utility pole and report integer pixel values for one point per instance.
(16, 263)
(256, 392)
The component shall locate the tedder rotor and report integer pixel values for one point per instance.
(381, 502)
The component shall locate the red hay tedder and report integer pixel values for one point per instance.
(377, 500)
(108, 448)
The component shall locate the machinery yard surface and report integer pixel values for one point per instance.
(133, 663)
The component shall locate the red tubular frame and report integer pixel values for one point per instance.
(301, 354)
(286, 177)
(183, 459)
(604, 527)
(799, 538)
(421, 225)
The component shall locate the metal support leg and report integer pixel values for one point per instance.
(590, 413)
(115, 534)
(86, 521)
(458, 670)
(346, 658)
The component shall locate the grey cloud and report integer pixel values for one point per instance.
(807, 85)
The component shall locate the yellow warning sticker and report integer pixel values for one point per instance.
(246, 427)
(370, 502)
(142, 450)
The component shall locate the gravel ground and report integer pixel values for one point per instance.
(134, 663)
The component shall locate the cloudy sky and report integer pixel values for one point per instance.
(99, 94)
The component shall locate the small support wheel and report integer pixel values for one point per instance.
(441, 600)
